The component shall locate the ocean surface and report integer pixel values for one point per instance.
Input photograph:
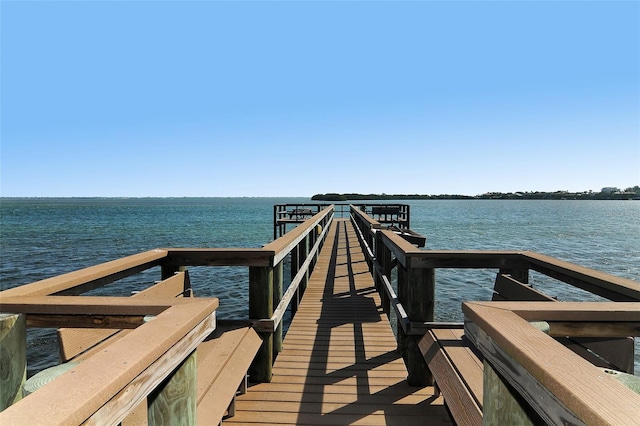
(41, 238)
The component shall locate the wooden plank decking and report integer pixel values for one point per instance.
(339, 364)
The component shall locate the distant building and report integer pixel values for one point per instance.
(610, 189)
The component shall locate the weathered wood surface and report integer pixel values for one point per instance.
(339, 363)
(13, 357)
(173, 402)
(532, 362)
(130, 368)
(502, 404)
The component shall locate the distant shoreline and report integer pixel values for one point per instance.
(627, 194)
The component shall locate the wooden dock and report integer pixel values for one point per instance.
(161, 356)
(339, 363)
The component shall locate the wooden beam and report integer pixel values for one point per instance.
(218, 257)
(175, 286)
(512, 289)
(597, 282)
(569, 311)
(93, 305)
(86, 279)
(467, 259)
(112, 322)
(594, 329)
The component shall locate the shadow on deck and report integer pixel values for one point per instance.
(339, 364)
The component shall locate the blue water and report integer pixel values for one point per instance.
(41, 238)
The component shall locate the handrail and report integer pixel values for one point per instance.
(271, 324)
(597, 282)
(364, 218)
(283, 245)
(86, 393)
(86, 279)
(561, 386)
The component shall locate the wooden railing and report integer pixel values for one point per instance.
(110, 385)
(396, 215)
(561, 387)
(413, 305)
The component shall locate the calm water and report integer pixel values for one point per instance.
(41, 238)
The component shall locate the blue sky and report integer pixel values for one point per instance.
(211, 98)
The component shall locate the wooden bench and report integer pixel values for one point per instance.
(222, 360)
(458, 367)
(223, 363)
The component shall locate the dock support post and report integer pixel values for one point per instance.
(277, 297)
(174, 401)
(502, 405)
(383, 257)
(261, 306)
(13, 357)
(416, 292)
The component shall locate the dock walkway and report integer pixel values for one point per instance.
(339, 363)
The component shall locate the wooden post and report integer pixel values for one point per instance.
(295, 266)
(416, 292)
(383, 257)
(167, 271)
(377, 281)
(276, 226)
(261, 307)
(174, 401)
(13, 358)
(304, 252)
(501, 404)
(277, 297)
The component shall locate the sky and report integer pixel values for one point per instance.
(205, 98)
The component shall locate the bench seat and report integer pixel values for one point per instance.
(223, 363)
(457, 369)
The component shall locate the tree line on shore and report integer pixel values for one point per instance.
(605, 194)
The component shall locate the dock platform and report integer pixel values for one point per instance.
(339, 364)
